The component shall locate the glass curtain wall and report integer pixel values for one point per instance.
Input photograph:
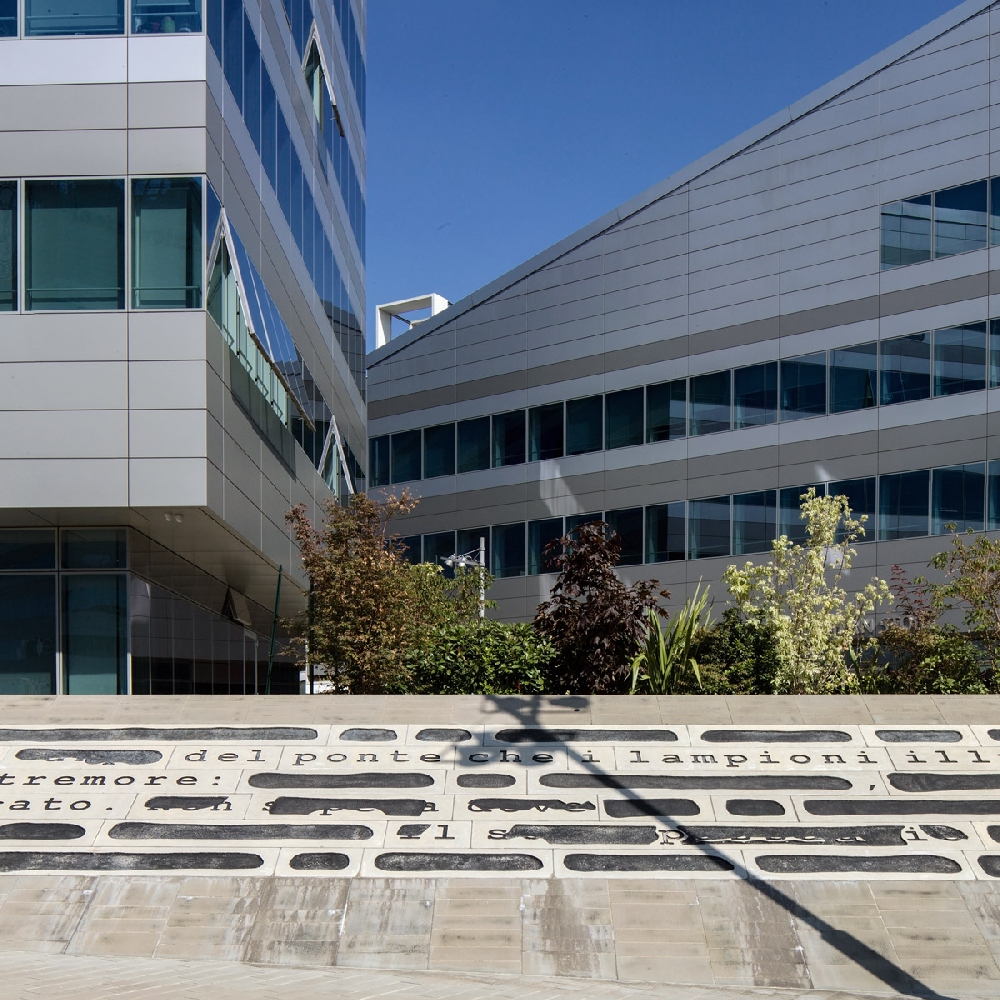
(906, 231)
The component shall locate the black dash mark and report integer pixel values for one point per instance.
(486, 780)
(922, 782)
(374, 780)
(66, 861)
(810, 836)
(901, 807)
(756, 782)
(625, 808)
(641, 835)
(418, 862)
(41, 831)
(288, 805)
(646, 863)
(918, 735)
(368, 735)
(134, 757)
(993, 734)
(319, 862)
(234, 831)
(176, 735)
(990, 864)
(754, 807)
(525, 805)
(444, 735)
(586, 736)
(189, 803)
(775, 736)
(994, 832)
(943, 832)
(411, 831)
(805, 864)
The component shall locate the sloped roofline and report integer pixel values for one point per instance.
(781, 119)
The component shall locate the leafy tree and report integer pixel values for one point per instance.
(797, 595)
(595, 622)
(665, 658)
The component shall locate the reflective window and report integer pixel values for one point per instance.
(469, 541)
(165, 17)
(958, 497)
(378, 460)
(994, 353)
(508, 439)
(905, 368)
(28, 634)
(960, 359)
(666, 410)
(27, 548)
(545, 432)
(960, 219)
(708, 527)
(584, 425)
(508, 550)
(405, 458)
(627, 525)
(232, 40)
(906, 232)
(474, 444)
(993, 499)
(411, 548)
(8, 18)
(860, 495)
(623, 418)
(93, 548)
(439, 451)
(710, 403)
(8, 245)
(540, 533)
(74, 17)
(790, 521)
(803, 387)
(214, 27)
(995, 211)
(166, 243)
(438, 547)
(665, 532)
(315, 84)
(903, 503)
(94, 618)
(754, 518)
(854, 378)
(755, 395)
(269, 130)
(75, 244)
(251, 83)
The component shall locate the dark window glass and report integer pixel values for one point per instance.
(755, 395)
(994, 353)
(8, 245)
(623, 418)
(232, 40)
(790, 521)
(666, 410)
(8, 18)
(508, 550)
(474, 444)
(960, 219)
(958, 497)
(854, 378)
(708, 527)
(508, 439)
(251, 83)
(803, 387)
(906, 232)
(166, 243)
(995, 211)
(283, 168)
(584, 425)
(405, 456)
(665, 532)
(860, 495)
(93, 548)
(438, 547)
(27, 548)
(993, 489)
(439, 451)
(411, 548)
(905, 368)
(545, 432)
(902, 502)
(74, 17)
(268, 127)
(378, 460)
(28, 634)
(75, 244)
(960, 359)
(573, 521)
(214, 27)
(627, 525)
(469, 541)
(710, 403)
(540, 533)
(754, 517)
(169, 16)
(94, 617)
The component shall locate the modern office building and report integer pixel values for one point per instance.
(811, 304)
(182, 293)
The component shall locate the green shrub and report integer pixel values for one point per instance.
(735, 656)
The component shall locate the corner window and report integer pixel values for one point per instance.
(906, 232)
(854, 378)
(803, 387)
(75, 244)
(666, 411)
(665, 532)
(905, 368)
(74, 17)
(960, 359)
(960, 219)
(166, 17)
(508, 439)
(584, 425)
(166, 243)
(545, 432)
(755, 394)
(8, 246)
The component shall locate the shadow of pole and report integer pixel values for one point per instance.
(527, 711)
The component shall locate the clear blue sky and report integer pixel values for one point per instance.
(497, 127)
